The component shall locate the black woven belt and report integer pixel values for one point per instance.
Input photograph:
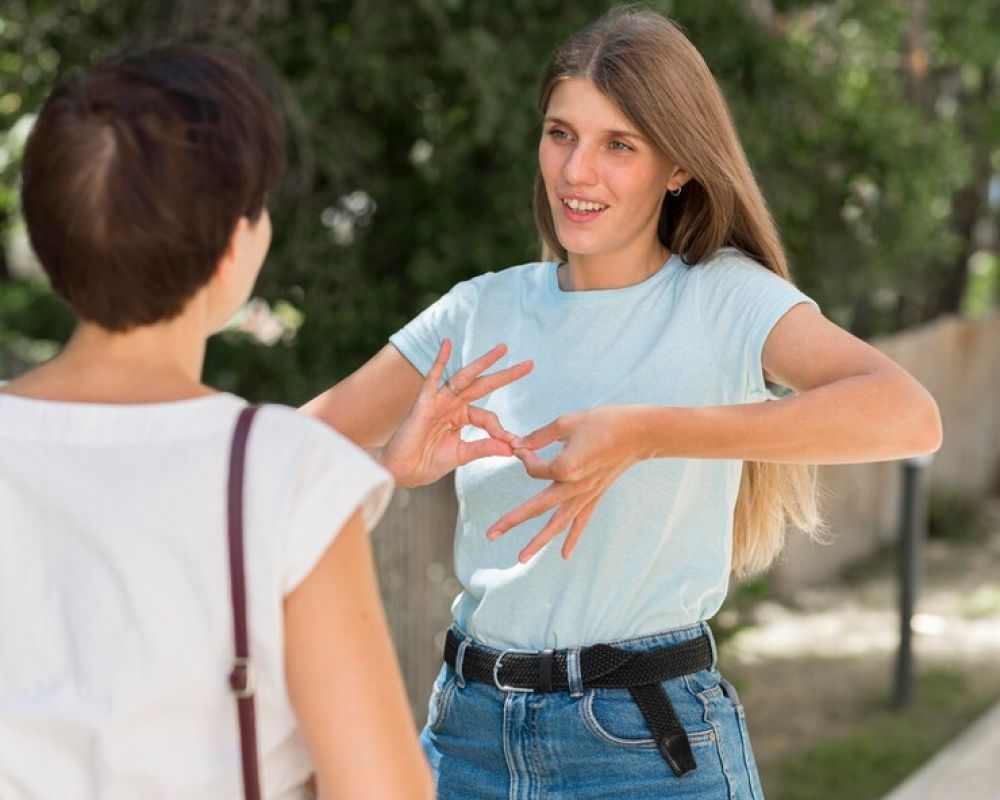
(601, 667)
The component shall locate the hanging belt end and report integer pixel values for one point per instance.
(676, 749)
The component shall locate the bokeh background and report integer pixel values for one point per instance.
(874, 129)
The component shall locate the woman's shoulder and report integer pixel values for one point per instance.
(534, 272)
(730, 271)
(504, 286)
(727, 262)
(531, 270)
(314, 464)
(288, 430)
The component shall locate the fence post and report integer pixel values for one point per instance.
(912, 534)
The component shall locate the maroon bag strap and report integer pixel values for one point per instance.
(241, 679)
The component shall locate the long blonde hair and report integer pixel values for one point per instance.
(644, 64)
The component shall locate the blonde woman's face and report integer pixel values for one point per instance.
(604, 181)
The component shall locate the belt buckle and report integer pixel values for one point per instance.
(496, 672)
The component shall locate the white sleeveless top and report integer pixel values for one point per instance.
(116, 634)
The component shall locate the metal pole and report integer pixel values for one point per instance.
(912, 533)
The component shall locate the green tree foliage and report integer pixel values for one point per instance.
(412, 136)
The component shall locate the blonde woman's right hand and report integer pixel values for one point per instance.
(428, 444)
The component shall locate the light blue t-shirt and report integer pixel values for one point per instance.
(657, 552)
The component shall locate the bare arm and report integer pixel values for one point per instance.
(370, 403)
(344, 680)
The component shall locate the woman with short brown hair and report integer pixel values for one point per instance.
(145, 183)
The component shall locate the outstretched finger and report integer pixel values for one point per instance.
(579, 525)
(435, 373)
(544, 436)
(467, 374)
(485, 384)
(535, 506)
(556, 525)
(490, 423)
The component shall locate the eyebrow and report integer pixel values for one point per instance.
(617, 134)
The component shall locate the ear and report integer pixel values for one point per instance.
(677, 179)
(227, 263)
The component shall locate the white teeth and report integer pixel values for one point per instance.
(582, 205)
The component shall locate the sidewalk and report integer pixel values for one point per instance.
(967, 769)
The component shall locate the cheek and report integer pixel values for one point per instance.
(549, 164)
(643, 189)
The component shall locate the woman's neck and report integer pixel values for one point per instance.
(587, 272)
(154, 363)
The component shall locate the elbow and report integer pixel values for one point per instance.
(926, 431)
(936, 438)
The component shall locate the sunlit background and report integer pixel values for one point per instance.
(874, 129)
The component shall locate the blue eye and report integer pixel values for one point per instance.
(620, 147)
(558, 134)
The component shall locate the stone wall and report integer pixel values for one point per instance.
(958, 360)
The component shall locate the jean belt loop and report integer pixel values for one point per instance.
(711, 640)
(573, 676)
(459, 660)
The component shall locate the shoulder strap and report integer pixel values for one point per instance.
(241, 679)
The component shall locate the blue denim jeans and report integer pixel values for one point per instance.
(589, 745)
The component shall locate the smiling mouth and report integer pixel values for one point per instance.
(582, 206)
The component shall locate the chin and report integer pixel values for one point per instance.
(580, 245)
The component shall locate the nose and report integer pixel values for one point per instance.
(580, 169)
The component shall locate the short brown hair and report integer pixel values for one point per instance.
(136, 173)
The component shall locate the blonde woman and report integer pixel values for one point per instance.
(661, 327)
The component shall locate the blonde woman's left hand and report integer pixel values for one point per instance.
(597, 449)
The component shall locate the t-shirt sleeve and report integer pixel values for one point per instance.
(448, 318)
(740, 302)
(334, 478)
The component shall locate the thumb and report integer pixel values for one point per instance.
(534, 466)
(482, 448)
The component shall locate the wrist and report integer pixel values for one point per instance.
(645, 429)
(631, 431)
(402, 473)
(378, 455)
